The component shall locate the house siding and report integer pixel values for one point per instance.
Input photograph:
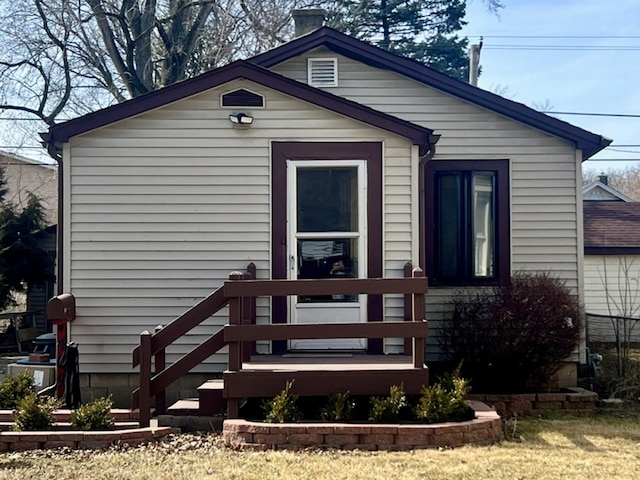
(161, 207)
(545, 223)
(616, 274)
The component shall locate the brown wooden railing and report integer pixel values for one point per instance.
(153, 347)
(241, 333)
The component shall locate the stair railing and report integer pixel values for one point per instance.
(152, 349)
(241, 333)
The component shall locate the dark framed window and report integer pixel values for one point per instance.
(467, 222)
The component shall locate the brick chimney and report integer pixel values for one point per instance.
(604, 179)
(308, 19)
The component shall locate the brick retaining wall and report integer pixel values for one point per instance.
(484, 430)
(21, 441)
(575, 401)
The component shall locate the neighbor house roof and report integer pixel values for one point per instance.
(350, 47)
(611, 228)
(61, 133)
(601, 192)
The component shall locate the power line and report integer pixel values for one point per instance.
(626, 115)
(598, 48)
(557, 36)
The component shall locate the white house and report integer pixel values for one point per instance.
(324, 149)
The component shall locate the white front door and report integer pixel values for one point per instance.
(326, 221)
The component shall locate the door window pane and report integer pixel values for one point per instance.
(328, 258)
(327, 199)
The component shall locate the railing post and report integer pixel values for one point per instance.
(235, 348)
(160, 363)
(418, 316)
(408, 309)
(247, 347)
(145, 379)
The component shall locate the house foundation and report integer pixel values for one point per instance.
(120, 386)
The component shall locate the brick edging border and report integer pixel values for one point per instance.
(485, 429)
(22, 441)
(575, 401)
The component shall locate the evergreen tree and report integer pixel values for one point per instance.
(23, 263)
(424, 30)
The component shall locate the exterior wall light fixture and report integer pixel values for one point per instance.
(240, 119)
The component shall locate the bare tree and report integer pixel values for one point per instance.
(84, 54)
(64, 58)
(622, 293)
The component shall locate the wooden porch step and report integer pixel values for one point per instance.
(211, 397)
(185, 406)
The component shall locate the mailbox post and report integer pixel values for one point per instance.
(61, 310)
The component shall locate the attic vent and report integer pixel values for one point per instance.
(323, 72)
(242, 98)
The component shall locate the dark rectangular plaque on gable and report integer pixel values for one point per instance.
(242, 98)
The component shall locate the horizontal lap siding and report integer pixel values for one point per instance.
(544, 223)
(611, 285)
(165, 205)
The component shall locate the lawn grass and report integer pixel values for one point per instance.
(565, 448)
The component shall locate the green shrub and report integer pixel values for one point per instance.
(389, 409)
(283, 407)
(35, 413)
(339, 408)
(95, 415)
(14, 389)
(445, 401)
(512, 337)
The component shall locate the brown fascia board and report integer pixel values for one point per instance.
(241, 69)
(588, 142)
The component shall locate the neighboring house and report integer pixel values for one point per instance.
(23, 176)
(600, 191)
(611, 261)
(321, 151)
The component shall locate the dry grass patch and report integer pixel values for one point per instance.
(546, 449)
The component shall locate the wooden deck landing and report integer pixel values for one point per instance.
(323, 374)
(328, 361)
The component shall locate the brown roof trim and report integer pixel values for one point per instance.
(419, 135)
(588, 142)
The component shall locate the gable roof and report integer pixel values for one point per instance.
(611, 228)
(350, 47)
(601, 192)
(241, 69)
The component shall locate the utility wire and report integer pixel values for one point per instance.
(625, 115)
(556, 36)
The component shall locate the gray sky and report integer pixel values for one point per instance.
(571, 55)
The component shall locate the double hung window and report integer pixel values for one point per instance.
(467, 217)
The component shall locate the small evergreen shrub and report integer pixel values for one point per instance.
(513, 337)
(339, 408)
(34, 413)
(445, 400)
(282, 408)
(14, 389)
(390, 409)
(95, 415)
